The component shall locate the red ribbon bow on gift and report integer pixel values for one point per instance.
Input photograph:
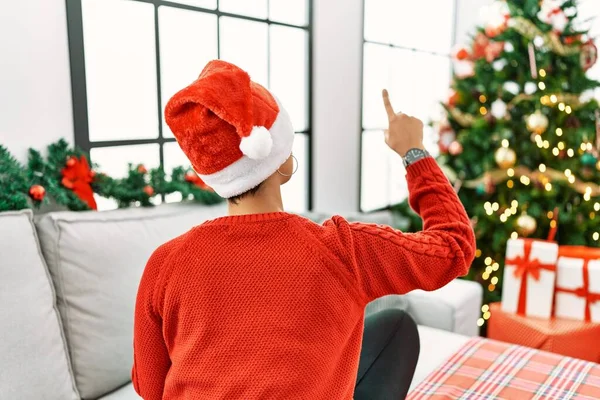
(584, 292)
(525, 265)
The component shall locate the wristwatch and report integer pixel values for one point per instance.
(414, 155)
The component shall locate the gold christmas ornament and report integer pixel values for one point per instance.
(505, 157)
(526, 225)
(537, 122)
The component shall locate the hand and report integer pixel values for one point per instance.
(404, 132)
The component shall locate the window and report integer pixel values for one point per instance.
(128, 57)
(407, 48)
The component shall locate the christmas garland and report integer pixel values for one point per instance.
(66, 177)
(530, 31)
(549, 175)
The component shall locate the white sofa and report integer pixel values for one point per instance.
(67, 291)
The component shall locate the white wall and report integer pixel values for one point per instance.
(35, 81)
(337, 51)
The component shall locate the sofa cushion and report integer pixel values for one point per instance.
(96, 261)
(127, 392)
(34, 358)
(436, 347)
(381, 217)
(454, 307)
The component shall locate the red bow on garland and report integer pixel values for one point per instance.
(78, 176)
(525, 266)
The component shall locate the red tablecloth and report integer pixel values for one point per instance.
(486, 369)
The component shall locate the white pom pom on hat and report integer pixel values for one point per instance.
(258, 145)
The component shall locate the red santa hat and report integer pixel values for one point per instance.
(234, 131)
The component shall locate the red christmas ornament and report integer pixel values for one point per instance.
(37, 192)
(589, 55)
(462, 54)
(453, 99)
(149, 190)
(142, 169)
(573, 39)
(455, 148)
(447, 137)
(194, 179)
(78, 176)
(71, 161)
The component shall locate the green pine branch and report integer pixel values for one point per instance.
(14, 184)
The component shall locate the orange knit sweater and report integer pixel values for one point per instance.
(271, 306)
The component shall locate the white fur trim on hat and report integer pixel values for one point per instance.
(258, 145)
(247, 173)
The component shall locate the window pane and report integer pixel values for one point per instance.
(398, 185)
(113, 160)
(174, 157)
(376, 77)
(295, 192)
(375, 174)
(210, 4)
(379, 20)
(105, 204)
(253, 8)
(120, 62)
(188, 40)
(293, 12)
(289, 72)
(244, 43)
(419, 82)
(428, 24)
(401, 22)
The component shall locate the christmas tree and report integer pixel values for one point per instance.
(520, 140)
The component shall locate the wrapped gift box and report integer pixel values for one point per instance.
(571, 338)
(578, 284)
(529, 275)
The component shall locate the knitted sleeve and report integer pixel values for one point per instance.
(151, 360)
(386, 261)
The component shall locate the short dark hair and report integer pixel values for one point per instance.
(251, 192)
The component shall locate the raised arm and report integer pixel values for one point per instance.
(387, 261)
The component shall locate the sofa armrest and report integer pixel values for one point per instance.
(453, 308)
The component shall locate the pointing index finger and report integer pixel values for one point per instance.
(388, 104)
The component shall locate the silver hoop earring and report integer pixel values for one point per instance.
(295, 169)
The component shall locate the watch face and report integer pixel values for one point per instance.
(414, 155)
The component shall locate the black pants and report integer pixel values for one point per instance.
(390, 351)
